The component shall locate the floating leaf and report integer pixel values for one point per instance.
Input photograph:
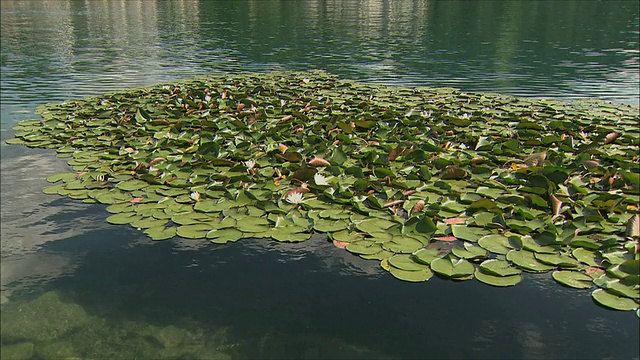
(493, 280)
(468, 233)
(497, 267)
(160, 233)
(405, 262)
(319, 162)
(526, 260)
(470, 251)
(426, 256)
(340, 244)
(573, 279)
(452, 268)
(609, 300)
(122, 218)
(221, 236)
(194, 231)
(557, 260)
(364, 247)
(412, 276)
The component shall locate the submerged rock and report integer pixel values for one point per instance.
(58, 351)
(170, 336)
(43, 319)
(17, 351)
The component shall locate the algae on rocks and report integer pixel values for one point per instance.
(43, 319)
(23, 350)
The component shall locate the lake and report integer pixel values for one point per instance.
(74, 286)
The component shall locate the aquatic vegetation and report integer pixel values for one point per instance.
(42, 319)
(391, 174)
(49, 327)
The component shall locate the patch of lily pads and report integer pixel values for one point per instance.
(428, 181)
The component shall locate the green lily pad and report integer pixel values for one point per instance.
(54, 189)
(622, 287)
(383, 254)
(527, 261)
(411, 276)
(120, 207)
(573, 279)
(426, 256)
(131, 185)
(612, 301)
(253, 225)
(469, 233)
(452, 268)
(363, 247)
(470, 251)
(64, 177)
(498, 244)
(346, 236)
(405, 262)
(559, 260)
(329, 225)
(189, 218)
(585, 256)
(530, 244)
(112, 197)
(286, 236)
(493, 280)
(404, 245)
(194, 231)
(161, 233)
(497, 267)
(123, 218)
(222, 236)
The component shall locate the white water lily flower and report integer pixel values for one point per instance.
(195, 195)
(250, 164)
(320, 179)
(295, 198)
(465, 116)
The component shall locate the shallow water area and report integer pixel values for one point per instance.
(117, 294)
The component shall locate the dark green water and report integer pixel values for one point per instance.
(87, 289)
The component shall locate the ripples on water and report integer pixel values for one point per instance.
(287, 300)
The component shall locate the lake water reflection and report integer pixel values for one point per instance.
(130, 297)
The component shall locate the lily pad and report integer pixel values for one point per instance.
(497, 267)
(498, 244)
(452, 268)
(493, 280)
(363, 247)
(609, 300)
(573, 279)
(161, 233)
(470, 251)
(194, 231)
(222, 236)
(122, 218)
(526, 260)
(559, 260)
(411, 276)
(426, 256)
(405, 262)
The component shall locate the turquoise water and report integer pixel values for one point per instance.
(74, 286)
